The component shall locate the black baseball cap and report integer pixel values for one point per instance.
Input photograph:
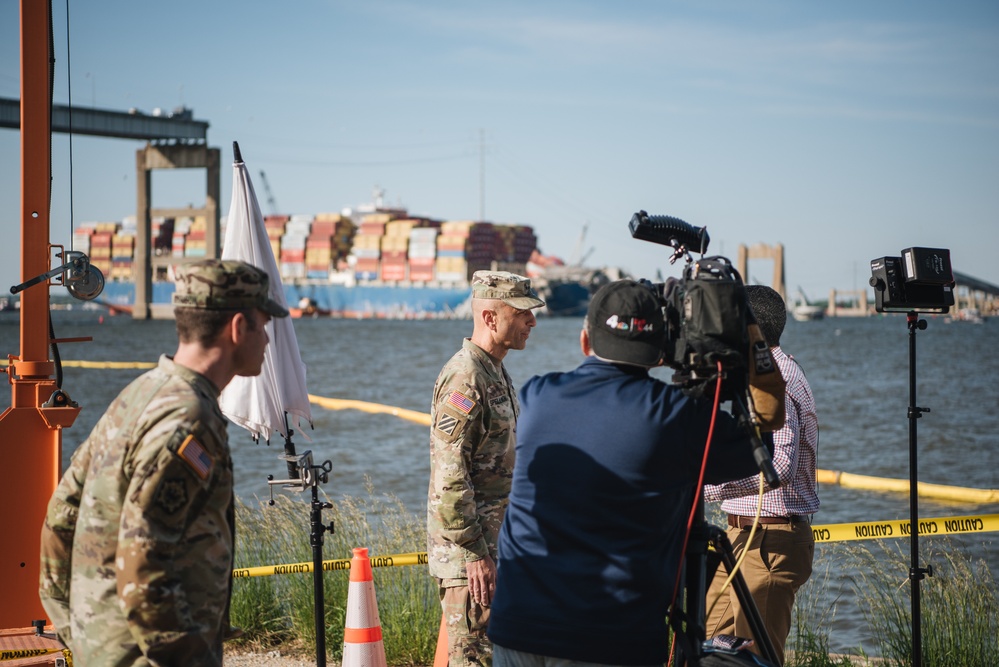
(626, 324)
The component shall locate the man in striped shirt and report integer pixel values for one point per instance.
(780, 555)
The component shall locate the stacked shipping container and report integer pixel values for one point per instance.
(383, 246)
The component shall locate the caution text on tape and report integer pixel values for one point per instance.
(872, 530)
(832, 532)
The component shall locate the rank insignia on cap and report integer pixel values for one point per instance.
(460, 401)
(195, 456)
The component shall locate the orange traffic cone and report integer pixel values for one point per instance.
(362, 636)
(440, 656)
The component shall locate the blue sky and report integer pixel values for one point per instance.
(846, 131)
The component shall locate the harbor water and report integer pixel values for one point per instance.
(859, 370)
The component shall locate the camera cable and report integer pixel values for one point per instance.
(697, 496)
(693, 513)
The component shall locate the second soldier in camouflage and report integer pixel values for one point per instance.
(474, 416)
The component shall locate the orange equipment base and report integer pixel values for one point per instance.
(44, 649)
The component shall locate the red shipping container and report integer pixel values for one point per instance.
(366, 264)
(393, 272)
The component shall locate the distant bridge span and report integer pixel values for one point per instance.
(173, 141)
(178, 126)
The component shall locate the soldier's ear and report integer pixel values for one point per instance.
(489, 318)
(238, 326)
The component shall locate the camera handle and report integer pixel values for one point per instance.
(696, 578)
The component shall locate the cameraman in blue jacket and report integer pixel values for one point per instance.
(607, 461)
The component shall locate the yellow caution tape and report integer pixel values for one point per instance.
(872, 530)
(22, 653)
(395, 560)
(831, 532)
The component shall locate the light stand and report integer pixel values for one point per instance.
(916, 573)
(920, 280)
(310, 476)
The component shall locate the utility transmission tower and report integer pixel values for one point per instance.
(270, 195)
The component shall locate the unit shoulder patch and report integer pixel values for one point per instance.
(171, 495)
(451, 423)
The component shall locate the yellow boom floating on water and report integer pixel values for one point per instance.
(834, 477)
(924, 490)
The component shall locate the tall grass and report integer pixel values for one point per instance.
(808, 642)
(959, 609)
(279, 609)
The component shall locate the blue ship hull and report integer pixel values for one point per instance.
(378, 301)
(564, 299)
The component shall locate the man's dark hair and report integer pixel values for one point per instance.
(770, 311)
(202, 325)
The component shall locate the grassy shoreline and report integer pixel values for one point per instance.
(960, 606)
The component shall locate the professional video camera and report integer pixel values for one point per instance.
(711, 333)
(707, 313)
(709, 323)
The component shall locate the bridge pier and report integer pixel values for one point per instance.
(146, 262)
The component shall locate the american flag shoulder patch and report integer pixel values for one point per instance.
(460, 401)
(194, 455)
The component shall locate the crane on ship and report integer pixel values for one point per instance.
(271, 202)
(578, 257)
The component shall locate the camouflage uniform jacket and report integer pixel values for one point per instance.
(137, 545)
(474, 418)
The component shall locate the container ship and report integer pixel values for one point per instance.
(364, 262)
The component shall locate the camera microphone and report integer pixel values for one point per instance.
(667, 230)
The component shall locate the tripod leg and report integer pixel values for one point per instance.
(723, 546)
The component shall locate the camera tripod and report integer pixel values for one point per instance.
(697, 573)
(691, 635)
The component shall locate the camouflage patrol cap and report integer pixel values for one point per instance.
(509, 288)
(224, 284)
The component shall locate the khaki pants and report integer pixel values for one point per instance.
(778, 563)
(466, 621)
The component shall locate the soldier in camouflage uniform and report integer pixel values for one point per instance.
(473, 417)
(137, 545)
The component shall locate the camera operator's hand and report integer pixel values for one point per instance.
(481, 580)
